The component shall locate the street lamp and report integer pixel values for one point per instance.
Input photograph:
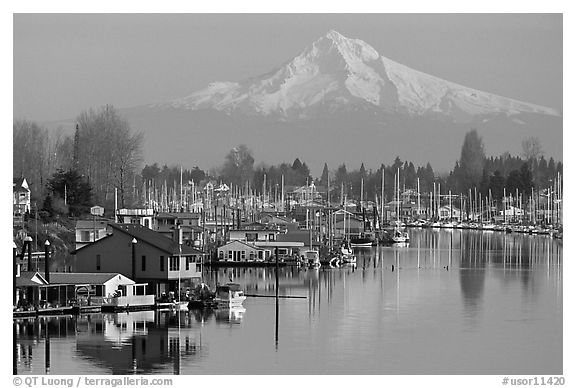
(47, 261)
(28, 244)
(134, 242)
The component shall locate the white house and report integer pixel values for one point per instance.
(447, 212)
(239, 251)
(21, 197)
(88, 231)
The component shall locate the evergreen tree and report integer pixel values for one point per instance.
(471, 161)
(73, 189)
(324, 177)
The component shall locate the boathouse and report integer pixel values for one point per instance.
(240, 251)
(143, 255)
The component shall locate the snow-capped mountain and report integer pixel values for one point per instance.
(337, 73)
(340, 101)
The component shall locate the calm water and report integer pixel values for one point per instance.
(457, 302)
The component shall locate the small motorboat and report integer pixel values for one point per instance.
(399, 236)
(345, 248)
(229, 295)
(312, 258)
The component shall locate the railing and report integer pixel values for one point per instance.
(132, 300)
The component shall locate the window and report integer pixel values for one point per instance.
(251, 236)
(162, 263)
(188, 258)
(174, 263)
(271, 237)
(143, 263)
(85, 235)
(98, 263)
(230, 255)
(221, 255)
(243, 255)
(251, 255)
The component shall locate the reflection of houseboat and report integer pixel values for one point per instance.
(128, 297)
(230, 315)
(229, 295)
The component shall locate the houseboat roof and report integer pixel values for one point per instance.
(148, 236)
(243, 243)
(77, 278)
(302, 236)
(30, 279)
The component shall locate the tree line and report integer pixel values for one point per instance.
(69, 173)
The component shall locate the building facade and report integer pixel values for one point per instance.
(154, 259)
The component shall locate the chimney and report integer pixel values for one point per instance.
(177, 235)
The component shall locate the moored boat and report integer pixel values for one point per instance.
(312, 258)
(229, 295)
(399, 236)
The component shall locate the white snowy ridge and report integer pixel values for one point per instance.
(336, 72)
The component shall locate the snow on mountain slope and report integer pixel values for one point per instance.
(337, 72)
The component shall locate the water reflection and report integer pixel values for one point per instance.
(497, 294)
(123, 343)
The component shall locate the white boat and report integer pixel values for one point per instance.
(229, 295)
(398, 236)
(312, 258)
(346, 249)
(181, 305)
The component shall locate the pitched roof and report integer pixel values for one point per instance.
(296, 236)
(243, 243)
(20, 185)
(88, 224)
(156, 239)
(30, 279)
(82, 278)
(147, 235)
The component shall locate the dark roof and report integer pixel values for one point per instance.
(181, 215)
(149, 236)
(98, 223)
(142, 233)
(17, 185)
(25, 279)
(80, 278)
(302, 236)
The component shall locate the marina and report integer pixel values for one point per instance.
(263, 194)
(465, 296)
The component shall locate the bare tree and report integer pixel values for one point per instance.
(30, 155)
(531, 148)
(108, 153)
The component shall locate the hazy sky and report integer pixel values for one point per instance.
(66, 63)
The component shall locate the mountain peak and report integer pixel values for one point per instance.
(336, 72)
(335, 35)
(349, 49)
